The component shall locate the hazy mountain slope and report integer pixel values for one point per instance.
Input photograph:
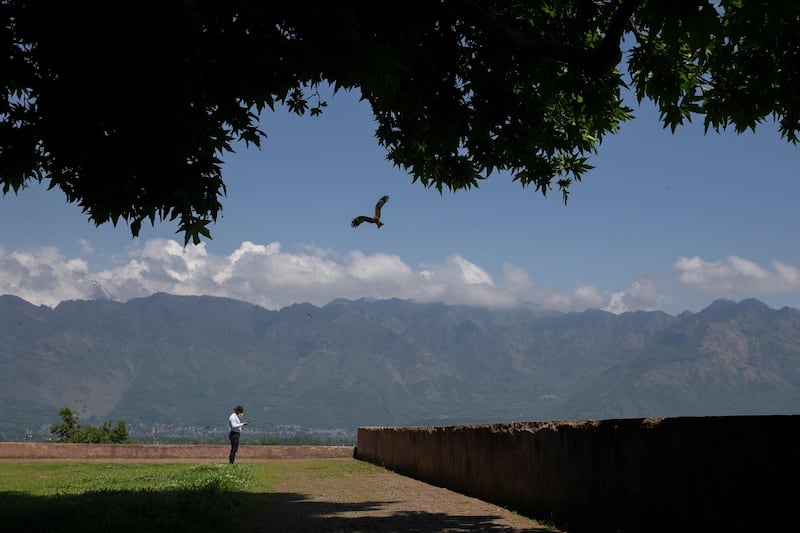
(727, 359)
(185, 361)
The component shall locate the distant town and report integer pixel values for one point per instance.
(173, 434)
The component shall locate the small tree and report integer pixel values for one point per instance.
(119, 434)
(105, 434)
(69, 429)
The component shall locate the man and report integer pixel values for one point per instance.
(235, 423)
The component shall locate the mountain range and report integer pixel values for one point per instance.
(185, 361)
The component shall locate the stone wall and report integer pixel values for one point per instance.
(629, 475)
(163, 452)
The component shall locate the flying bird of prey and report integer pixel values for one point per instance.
(376, 219)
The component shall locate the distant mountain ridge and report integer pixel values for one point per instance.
(186, 360)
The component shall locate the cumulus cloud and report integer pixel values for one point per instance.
(582, 297)
(44, 276)
(641, 295)
(736, 275)
(265, 275)
(458, 280)
(517, 279)
(272, 277)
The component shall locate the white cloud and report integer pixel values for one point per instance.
(736, 275)
(582, 297)
(44, 276)
(516, 279)
(641, 295)
(86, 246)
(269, 276)
(459, 281)
(262, 274)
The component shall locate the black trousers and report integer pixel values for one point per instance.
(234, 436)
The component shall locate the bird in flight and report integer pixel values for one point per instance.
(376, 219)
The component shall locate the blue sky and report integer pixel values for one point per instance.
(669, 222)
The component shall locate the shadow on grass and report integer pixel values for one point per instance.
(209, 510)
(122, 511)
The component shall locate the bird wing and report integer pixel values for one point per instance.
(358, 220)
(378, 206)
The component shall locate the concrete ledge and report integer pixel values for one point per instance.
(163, 452)
(631, 475)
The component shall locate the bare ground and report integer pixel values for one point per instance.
(382, 501)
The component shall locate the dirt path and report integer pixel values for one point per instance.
(382, 501)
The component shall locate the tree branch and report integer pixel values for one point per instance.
(608, 54)
(537, 51)
(600, 60)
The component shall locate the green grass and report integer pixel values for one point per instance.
(123, 497)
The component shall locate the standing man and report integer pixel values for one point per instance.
(235, 423)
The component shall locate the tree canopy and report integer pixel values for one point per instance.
(129, 110)
(70, 430)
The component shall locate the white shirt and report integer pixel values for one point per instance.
(235, 423)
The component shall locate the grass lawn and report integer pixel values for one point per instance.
(147, 497)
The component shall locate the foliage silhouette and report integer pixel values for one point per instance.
(130, 119)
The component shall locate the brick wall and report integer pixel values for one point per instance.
(631, 475)
(163, 452)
